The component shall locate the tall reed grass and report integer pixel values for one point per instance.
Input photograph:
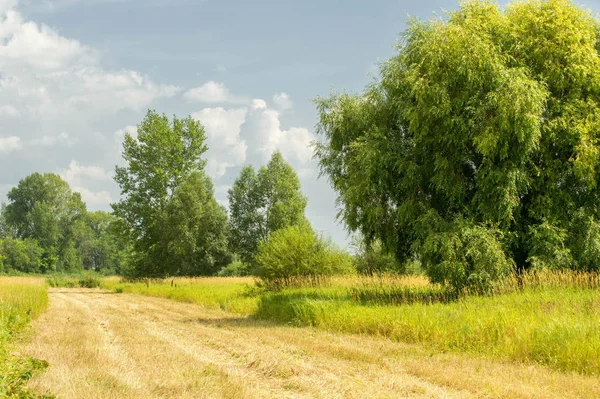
(551, 318)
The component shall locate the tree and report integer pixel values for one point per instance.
(193, 240)
(100, 249)
(261, 203)
(43, 207)
(165, 153)
(21, 255)
(483, 130)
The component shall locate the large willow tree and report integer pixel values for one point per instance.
(478, 148)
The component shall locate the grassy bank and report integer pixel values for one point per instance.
(21, 299)
(550, 319)
(232, 294)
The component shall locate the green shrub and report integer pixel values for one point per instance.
(373, 259)
(466, 256)
(296, 255)
(89, 282)
(234, 269)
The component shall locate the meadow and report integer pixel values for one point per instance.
(21, 300)
(546, 318)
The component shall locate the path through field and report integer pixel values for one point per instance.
(105, 345)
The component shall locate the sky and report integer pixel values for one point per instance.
(75, 75)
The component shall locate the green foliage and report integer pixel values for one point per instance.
(261, 203)
(20, 255)
(193, 237)
(234, 269)
(487, 122)
(99, 248)
(296, 255)
(466, 256)
(168, 209)
(547, 247)
(43, 207)
(372, 258)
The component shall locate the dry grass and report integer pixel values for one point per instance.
(104, 345)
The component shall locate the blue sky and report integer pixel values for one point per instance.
(76, 74)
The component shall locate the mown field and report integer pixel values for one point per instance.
(21, 299)
(546, 318)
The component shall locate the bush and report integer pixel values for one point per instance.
(296, 255)
(466, 256)
(234, 269)
(89, 282)
(373, 259)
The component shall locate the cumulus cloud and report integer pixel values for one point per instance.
(119, 135)
(9, 110)
(11, 143)
(230, 131)
(46, 75)
(282, 101)
(94, 199)
(49, 141)
(215, 93)
(226, 149)
(263, 128)
(80, 177)
(77, 174)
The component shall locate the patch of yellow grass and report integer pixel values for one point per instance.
(232, 294)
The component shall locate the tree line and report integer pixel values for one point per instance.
(45, 227)
(167, 222)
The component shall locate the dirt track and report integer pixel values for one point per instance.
(105, 345)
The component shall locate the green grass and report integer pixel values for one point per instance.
(551, 319)
(232, 294)
(21, 299)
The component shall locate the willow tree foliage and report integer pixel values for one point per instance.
(261, 203)
(477, 149)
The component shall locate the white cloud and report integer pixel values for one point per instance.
(226, 149)
(6, 5)
(119, 135)
(95, 200)
(213, 92)
(282, 101)
(9, 110)
(76, 174)
(46, 75)
(49, 141)
(80, 177)
(11, 143)
(239, 135)
(257, 103)
(41, 47)
(263, 129)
